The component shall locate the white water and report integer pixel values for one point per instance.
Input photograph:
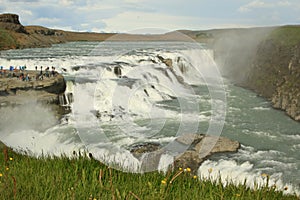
(110, 113)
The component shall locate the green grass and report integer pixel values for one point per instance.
(24, 177)
(286, 35)
(6, 40)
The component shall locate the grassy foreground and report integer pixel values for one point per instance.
(24, 177)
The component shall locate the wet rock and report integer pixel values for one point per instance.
(141, 148)
(166, 61)
(200, 147)
(118, 71)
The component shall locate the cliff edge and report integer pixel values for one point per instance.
(265, 60)
(275, 72)
(15, 90)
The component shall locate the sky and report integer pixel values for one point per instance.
(164, 15)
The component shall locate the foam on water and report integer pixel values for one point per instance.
(52, 142)
(229, 171)
(253, 167)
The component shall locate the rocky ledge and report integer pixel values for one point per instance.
(200, 147)
(16, 90)
(11, 22)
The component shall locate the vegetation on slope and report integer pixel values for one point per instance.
(286, 35)
(6, 40)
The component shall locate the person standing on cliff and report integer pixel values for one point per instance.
(41, 73)
(27, 77)
(53, 71)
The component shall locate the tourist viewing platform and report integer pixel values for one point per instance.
(42, 85)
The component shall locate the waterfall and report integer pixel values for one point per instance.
(66, 98)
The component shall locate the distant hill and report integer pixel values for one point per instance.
(13, 35)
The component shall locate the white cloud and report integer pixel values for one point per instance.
(262, 4)
(47, 20)
(26, 12)
(160, 22)
(128, 21)
(252, 5)
(65, 2)
(284, 3)
(125, 15)
(65, 28)
(132, 1)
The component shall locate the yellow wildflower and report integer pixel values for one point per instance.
(188, 169)
(180, 169)
(163, 182)
(7, 168)
(10, 158)
(195, 177)
(1, 175)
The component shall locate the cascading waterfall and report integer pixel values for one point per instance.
(120, 103)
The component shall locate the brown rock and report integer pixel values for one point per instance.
(200, 147)
(166, 61)
(11, 22)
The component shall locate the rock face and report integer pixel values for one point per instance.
(276, 75)
(269, 64)
(11, 22)
(200, 148)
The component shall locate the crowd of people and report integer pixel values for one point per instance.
(23, 74)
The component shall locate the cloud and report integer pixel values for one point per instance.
(252, 5)
(24, 1)
(65, 28)
(65, 2)
(125, 15)
(47, 20)
(262, 4)
(26, 12)
(131, 21)
(284, 3)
